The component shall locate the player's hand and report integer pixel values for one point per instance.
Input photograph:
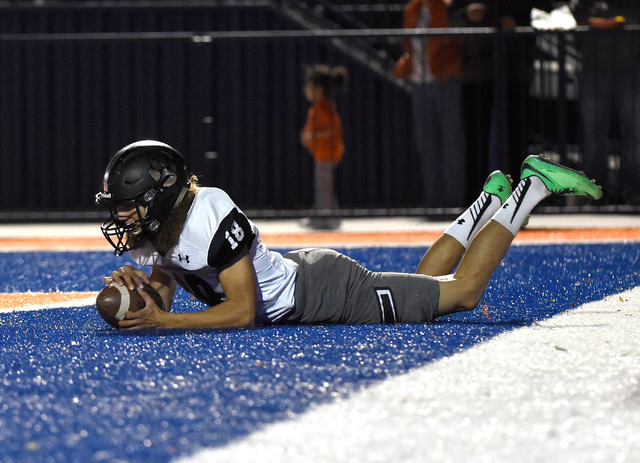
(149, 317)
(127, 276)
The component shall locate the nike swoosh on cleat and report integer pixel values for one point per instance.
(525, 187)
(533, 169)
(482, 210)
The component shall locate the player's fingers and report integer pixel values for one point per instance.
(126, 324)
(148, 300)
(121, 277)
(139, 276)
(133, 320)
(115, 278)
(129, 315)
(129, 282)
(140, 319)
(129, 276)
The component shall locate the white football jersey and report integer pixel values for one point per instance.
(215, 233)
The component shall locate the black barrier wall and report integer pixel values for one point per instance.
(233, 107)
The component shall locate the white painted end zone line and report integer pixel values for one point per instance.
(564, 390)
(74, 303)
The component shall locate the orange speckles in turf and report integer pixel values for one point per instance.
(586, 234)
(337, 239)
(485, 310)
(54, 244)
(429, 237)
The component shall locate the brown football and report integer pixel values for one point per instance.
(115, 300)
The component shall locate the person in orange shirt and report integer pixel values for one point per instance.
(432, 66)
(322, 136)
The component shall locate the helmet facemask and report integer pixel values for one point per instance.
(147, 176)
(125, 235)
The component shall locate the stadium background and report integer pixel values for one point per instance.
(222, 82)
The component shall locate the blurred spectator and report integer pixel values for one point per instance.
(476, 86)
(609, 89)
(322, 136)
(432, 66)
(509, 59)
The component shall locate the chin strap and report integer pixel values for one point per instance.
(181, 196)
(154, 225)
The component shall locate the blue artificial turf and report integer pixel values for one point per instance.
(74, 389)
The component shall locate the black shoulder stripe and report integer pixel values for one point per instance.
(234, 234)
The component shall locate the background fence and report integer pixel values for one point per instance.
(222, 82)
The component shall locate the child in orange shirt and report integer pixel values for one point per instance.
(322, 136)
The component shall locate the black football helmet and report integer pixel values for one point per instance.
(148, 175)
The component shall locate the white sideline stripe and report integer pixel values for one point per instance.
(563, 390)
(75, 303)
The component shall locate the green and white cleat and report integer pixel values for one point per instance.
(498, 184)
(560, 180)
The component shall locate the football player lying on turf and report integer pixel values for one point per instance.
(199, 239)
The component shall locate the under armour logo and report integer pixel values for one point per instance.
(461, 221)
(186, 258)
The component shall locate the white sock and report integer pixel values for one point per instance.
(465, 227)
(517, 208)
